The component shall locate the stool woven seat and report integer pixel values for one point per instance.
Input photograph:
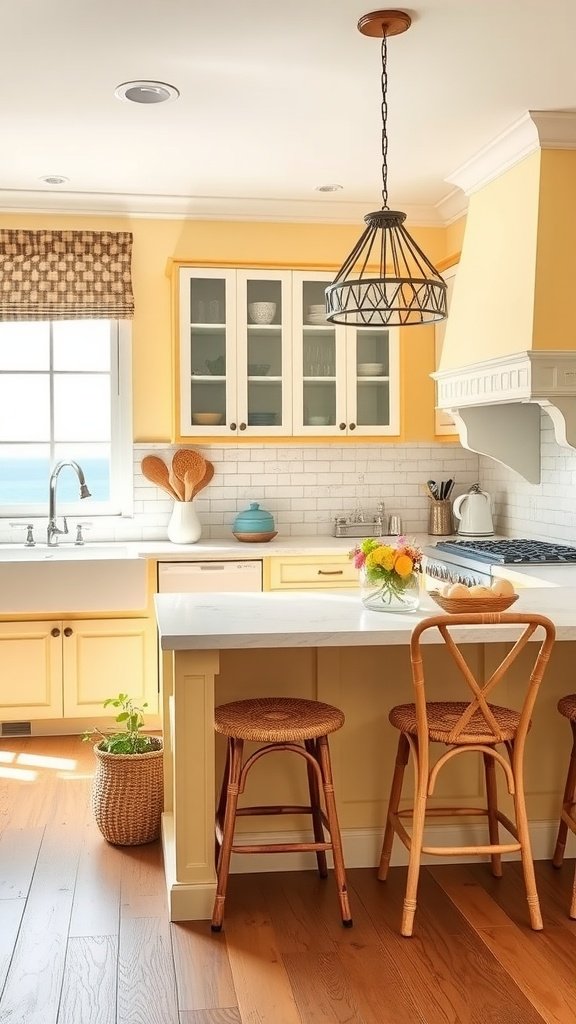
(471, 727)
(288, 724)
(567, 707)
(276, 719)
(444, 715)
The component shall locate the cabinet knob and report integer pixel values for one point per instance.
(55, 631)
(68, 631)
(352, 426)
(242, 426)
(341, 426)
(233, 426)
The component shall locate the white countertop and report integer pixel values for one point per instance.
(327, 619)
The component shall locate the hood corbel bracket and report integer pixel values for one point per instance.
(507, 433)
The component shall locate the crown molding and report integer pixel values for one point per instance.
(536, 129)
(320, 211)
(452, 207)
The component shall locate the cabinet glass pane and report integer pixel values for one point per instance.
(264, 299)
(264, 352)
(372, 353)
(313, 302)
(372, 403)
(208, 351)
(319, 399)
(319, 356)
(207, 300)
(208, 402)
(265, 403)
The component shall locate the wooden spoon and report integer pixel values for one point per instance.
(155, 470)
(192, 477)
(205, 479)
(176, 484)
(187, 458)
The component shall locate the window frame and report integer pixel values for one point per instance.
(121, 442)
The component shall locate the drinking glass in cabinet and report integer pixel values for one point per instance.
(207, 301)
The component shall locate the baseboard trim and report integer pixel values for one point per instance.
(362, 847)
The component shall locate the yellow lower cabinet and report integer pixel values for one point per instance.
(310, 572)
(30, 670)
(103, 657)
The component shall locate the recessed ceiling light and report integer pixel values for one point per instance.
(54, 179)
(146, 92)
(328, 188)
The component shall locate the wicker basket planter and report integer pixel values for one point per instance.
(128, 795)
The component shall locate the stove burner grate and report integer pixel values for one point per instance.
(509, 552)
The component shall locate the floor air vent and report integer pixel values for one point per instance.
(15, 729)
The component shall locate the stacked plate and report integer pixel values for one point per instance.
(261, 419)
(371, 369)
(316, 314)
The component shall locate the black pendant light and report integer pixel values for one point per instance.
(387, 279)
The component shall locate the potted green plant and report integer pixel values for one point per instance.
(127, 793)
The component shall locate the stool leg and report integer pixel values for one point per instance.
(315, 805)
(572, 910)
(223, 867)
(569, 796)
(525, 845)
(332, 815)
(415, 854)
(221, 809)
(492, 804)
(393, 802)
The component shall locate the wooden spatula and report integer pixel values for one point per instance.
(187, 458)
(209, 473)
(155, 470)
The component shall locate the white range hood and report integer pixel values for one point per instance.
(510, 343)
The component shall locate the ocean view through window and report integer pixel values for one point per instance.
(64, 394)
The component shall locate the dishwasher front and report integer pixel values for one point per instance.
(209, 577)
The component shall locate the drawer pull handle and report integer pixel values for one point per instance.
(330, 572)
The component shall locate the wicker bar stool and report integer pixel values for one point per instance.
(281, 723)
(567, 707)
(464, 726)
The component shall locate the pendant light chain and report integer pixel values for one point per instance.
(384, 108)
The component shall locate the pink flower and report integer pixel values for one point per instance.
(359, 559)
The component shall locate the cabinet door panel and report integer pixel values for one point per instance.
(264, 352)
(30, 670)
(103, 657)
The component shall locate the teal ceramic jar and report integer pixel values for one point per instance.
(254, 524)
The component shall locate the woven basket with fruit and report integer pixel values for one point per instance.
(458, 599)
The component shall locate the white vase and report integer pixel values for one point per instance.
(184, 526)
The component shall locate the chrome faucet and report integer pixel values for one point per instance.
(53, 530)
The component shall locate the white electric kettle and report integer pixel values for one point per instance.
(474, 510)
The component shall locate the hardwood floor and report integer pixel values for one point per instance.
(85, 936)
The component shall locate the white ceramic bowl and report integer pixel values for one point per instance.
(261, 312)
(370, 369)
(318, 421)
(206, 419)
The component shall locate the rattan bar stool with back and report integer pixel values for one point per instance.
(567, 707)
(280, 723)
(464, 726)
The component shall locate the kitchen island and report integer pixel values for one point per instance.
(324, 646)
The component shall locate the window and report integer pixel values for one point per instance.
(65, 390)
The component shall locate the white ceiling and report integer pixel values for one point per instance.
(275, 99)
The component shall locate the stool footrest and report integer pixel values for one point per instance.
(283, 848)
(272, 809)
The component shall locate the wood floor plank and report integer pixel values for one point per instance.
(146, 980)
(321, 990)
(441, 966)
(555, 887)
(143, 886)
(19, 850)
(11, 912)
(263, 989)
(230, 1015)
(527, 956)
(32, 991)
(203, 975)
(96, 905)
(89, 988)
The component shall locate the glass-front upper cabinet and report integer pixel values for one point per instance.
(346, 380)
(235, 354)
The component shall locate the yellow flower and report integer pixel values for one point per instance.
(382, 556)
(403, 565)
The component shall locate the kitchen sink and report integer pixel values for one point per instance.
(88, 578)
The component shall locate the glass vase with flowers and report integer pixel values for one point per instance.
(389, 574)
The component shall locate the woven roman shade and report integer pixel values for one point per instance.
(65, 275)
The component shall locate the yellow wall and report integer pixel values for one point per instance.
(554, 307)
(491, 313)
(157, 242)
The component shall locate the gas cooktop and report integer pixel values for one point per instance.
(509, 552)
